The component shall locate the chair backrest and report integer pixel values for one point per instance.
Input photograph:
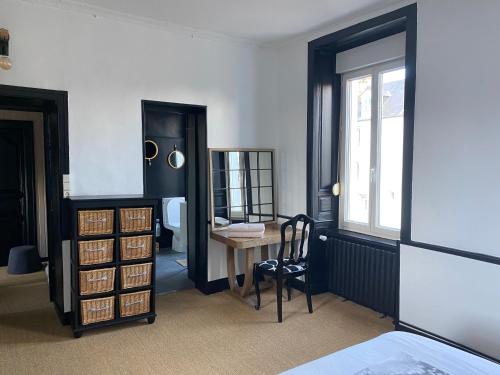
(307, 223)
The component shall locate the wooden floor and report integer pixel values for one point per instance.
(193, 334)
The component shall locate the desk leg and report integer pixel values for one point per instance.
(249, 261)
(264, 252)
(231, 269)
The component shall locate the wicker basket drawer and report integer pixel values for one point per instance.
(136, 275)
(97, 281)
(135, 303)
(97, 310)
(135, 219)
(95, 252)
(95, 222)
(136, 247)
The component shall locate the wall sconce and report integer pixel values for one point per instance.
(5, 62)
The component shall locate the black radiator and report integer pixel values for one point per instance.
(364, 273)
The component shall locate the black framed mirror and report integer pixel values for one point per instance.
(242, 186)
(176, 158)
(151, 150)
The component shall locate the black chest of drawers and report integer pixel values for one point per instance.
(112, 260)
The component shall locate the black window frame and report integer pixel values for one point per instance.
(323, 112)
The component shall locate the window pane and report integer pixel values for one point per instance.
(255, 195)
(266, 212)
(266, 178)
(236, 178)
(236, 198)
(391, 147)
(358, 128)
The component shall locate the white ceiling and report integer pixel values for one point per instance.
(256, 20)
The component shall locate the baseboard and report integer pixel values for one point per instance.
(318, 289)
(405, 327)
(300, 285)
(219, 285)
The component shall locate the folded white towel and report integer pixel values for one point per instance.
(245, 234)
(221, 221)
(247, 227)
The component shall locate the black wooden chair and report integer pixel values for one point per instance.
(286, 269)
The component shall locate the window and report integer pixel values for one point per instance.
(372, 149)
(237, 183)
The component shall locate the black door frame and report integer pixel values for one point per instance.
(54, 106)
(196, 185)
(323, 111)
(28, 178)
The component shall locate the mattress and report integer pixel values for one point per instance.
(399, 353)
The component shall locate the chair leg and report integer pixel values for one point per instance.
(279, 296)
(289, 289)
(257, 288)
(308, 293)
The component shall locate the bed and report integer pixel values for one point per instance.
(399, 353)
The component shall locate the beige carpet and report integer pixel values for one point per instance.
(193, 334)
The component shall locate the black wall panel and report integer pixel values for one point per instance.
(166, 127)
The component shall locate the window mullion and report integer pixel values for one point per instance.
(343, 152)
(374, 151)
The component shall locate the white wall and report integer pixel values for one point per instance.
(108, 65)
(456, 154)
(455, 175)
(289, 117)
(456, 200)
(454, 297)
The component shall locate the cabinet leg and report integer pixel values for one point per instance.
(151, 320)
(77, 335)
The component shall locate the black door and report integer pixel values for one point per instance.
(17, 197)
(197, 197)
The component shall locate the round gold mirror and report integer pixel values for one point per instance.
(151, 150)
(176, 159)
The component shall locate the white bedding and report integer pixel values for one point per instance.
(399, 353)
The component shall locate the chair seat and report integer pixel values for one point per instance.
(271, 264)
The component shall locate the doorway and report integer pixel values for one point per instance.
(52, 109)
(17, 187)
(174, 138)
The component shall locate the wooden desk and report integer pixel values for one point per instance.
(272, 236)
